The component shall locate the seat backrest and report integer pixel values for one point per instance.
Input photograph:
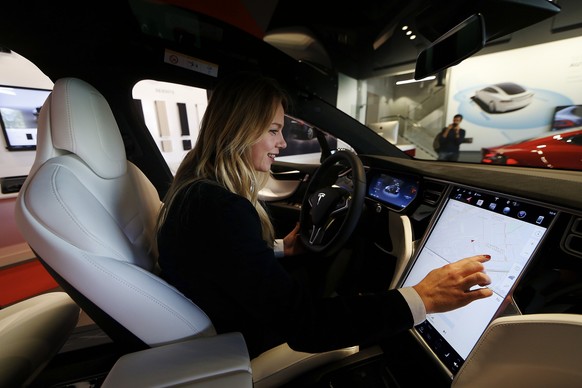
(534, 350)
(89, 214)
(32, 332)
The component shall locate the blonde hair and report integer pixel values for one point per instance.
(240, 110)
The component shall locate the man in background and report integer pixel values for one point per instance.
(450, 140)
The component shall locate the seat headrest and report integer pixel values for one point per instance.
(80, 121)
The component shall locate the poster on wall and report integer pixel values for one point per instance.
(514, 95)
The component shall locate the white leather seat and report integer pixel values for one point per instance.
(281, 364)
(526, 351)
(89, 214)
(31, 334)
(211, 362)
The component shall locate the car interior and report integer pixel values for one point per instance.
(104, 228)
(87, 208)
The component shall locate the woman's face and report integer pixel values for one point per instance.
(267, 148)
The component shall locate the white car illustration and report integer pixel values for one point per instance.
(503, 97)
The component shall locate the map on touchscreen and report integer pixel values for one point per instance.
(474, 222)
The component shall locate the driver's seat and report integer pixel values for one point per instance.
(89, 214)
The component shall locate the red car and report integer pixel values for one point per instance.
(562, 149)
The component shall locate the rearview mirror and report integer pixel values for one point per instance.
(450, 49)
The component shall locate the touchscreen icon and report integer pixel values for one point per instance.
(506, 210)
(521, 214)
(479, 202)
(492, 206)
(540, 220)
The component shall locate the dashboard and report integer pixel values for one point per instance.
(403, 198)
(436, 210)
(418, 191)
(529, 216)
(473, 222)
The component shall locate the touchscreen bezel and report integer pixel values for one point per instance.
(426, 331)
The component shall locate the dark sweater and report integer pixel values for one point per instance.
(451, 143)
(211, 249)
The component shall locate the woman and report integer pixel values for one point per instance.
(217, 243)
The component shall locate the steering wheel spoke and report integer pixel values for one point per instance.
(330, 212)
(320, 233)
(316, 236)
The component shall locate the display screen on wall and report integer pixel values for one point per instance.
(566, 117)
(19, 109)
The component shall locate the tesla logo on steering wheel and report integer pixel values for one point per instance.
(319, 197)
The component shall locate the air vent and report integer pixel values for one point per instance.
(432, 192)
(572, 241)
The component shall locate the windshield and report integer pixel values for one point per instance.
(521, 86)
(504, 115)
(485, 108)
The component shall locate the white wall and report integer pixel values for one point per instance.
(19, 71)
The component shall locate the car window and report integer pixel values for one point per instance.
(511, 88)
(502, 104)
(172, 113)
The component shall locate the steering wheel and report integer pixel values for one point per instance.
(333, 203)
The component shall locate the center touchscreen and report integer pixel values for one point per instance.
(474, 222)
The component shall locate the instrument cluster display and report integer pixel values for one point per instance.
(396, 191)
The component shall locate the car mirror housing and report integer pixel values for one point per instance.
(451, 45)
(459, 43)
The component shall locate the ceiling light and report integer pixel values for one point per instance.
(412, 80)
(404, 28)
(408, 32)
(413, 37)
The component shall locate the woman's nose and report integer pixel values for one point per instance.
(282, 143)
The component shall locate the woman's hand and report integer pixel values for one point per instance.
(292, 244)
(449, 287)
